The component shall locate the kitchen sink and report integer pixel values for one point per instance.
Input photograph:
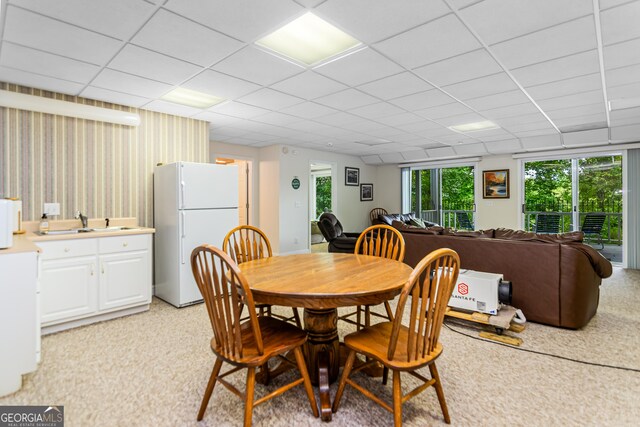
(88, 230)
(103, 229)
(54, 232)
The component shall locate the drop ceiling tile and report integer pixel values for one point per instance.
(374, 111)
(498, 135)
(115, 18)
(559, 69)
(587, 121)
(454, 140)
(525, 127)
(482, 86)
(620, 23)
(219, 84)
(113, 97)
(366, 126)
(358, 68)
(338, 119)
(461, 4)
(463, 67)
(519, 120)
(510, 111)
(555, 42)
(414, 155)
(422, 126)
(220, 121)
(625, 117)
(447, 37)
(631, 90)
(38, 32)
(470, 149)
(11, 75)
(309, 85)
(622, 54)
(606, 4)
(257, 66)
(243, 19)
(308, 110)
(36, 61)
(581, 110)
(127, 83)
(501, 147)
(436, 133)
(238, 109)
(181, 38)
(441, 152)
(422, 100)
(453, 109)
(171, 108)
(496, 20)
(152, 65)
(622, 76)
(396, 86)
(625, 133)
(503, 99)
(586, 138)
(461, 119)
(541, 142)
(570, 86)
(400, 119)
(537, 132)
(270, 99)
(347, 99)
(567, 101)
(372, 159)
(382, 19)
(392, 157)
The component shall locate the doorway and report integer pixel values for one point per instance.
(244, 187)
(322, 198)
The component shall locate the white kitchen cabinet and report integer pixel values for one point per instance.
(89, 280)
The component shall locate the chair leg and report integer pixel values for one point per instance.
(248, 403)
(367, 316)
(385, 375)
(302, 367)
(359, 318)
(387, 307)
(210, 385)
(397, 399)
(343, 380)
(440, 393)
(296, 317)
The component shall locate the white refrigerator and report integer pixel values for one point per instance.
(194, 204)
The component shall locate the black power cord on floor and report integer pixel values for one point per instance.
(540, 352)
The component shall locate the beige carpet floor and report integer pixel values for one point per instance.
(151, 369)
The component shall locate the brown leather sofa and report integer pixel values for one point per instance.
(556, 278)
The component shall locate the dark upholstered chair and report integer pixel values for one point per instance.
(332, 230)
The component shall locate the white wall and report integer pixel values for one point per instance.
(494, 213)
(269, 194)
(386, 192)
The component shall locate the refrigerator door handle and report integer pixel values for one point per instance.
(182, 188)
(183, 234)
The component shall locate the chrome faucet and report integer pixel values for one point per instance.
(82, 218)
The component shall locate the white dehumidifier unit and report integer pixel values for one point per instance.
(480, 292)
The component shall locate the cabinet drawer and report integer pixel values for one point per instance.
(136, 242)
(68, 248)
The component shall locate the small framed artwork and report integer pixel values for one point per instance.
(495, 184)
(351, 176)
(366, 192)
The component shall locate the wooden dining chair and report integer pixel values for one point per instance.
(246, 243)
(382, 241)
(408, 348)
(375, 212)
(244, 345)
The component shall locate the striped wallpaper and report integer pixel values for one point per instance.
(102, 169)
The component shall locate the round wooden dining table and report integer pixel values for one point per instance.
(320, 283)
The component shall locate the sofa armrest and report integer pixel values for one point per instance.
(600, 264)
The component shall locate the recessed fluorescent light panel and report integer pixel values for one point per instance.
(476, 126)
(191, 98)
(309, 40)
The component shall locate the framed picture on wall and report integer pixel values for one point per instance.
(366, 192)
(495, 184)
(351, 176)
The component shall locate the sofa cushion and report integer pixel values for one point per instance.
(508, 234)
(399, 225)
(417, 222)
(389, 218)
(483, 234)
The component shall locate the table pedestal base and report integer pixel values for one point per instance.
(322, 352)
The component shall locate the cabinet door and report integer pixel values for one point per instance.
(68, 289)
(124, 279)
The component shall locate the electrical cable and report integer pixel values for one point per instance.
(623, 368)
